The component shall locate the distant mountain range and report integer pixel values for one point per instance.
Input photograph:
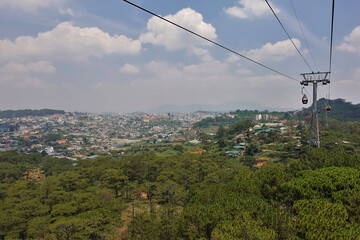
(225, 107)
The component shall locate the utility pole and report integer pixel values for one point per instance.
(315, 79)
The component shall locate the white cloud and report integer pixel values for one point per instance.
(68, 42)
(201, 52)
(67, 11)
(232, 58)
(251, 9)
(347, 87)
(168, 84)
(352, 42)
(202, 72)
(26, 75)
(206, 71)
(263, 81)
(34, 67)
(33, 82)
(165, 71)
(29, 5)
(202, 83)
(357, 73)
(352, 82)
(276, 52)
(129, 69)
(173, 38)
(243, 71)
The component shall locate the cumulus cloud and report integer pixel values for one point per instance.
(26, 75)
(67, 11)
(201, 72)
(206, 71)
(164, 70)
(243, 71)
(232, 58)
(29, 5)
(129, 69)
(68, 42)
(276, 52)
(33, 67)
(173, 38)
(250, 9)
(352, 42)
(204, 54)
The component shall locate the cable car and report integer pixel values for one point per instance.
(305, 99)
(328, 108)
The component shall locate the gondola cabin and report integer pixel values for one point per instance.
(328, 108)
(305, 99)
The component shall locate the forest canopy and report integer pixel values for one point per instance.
(187, 196)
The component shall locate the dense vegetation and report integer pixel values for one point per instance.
(314, 195)
(238, 115)
(340, 110)
(29, 112)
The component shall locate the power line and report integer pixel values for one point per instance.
(302, 30)
(288, 35)
(211, 41)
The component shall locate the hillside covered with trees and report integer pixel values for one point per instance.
(307, 194)
(29, 112)
(341, 110)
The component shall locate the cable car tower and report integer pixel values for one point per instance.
(315, 79)
(309, 78)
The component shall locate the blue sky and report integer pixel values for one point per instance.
(107, 56)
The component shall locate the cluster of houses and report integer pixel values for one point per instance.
(77, 135)
(237, 150)
(264, 128)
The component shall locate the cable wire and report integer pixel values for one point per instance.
(322, 93)
(211, 41)
(303, 33)
(331, 40)
(310, 96)
(288, 35)
(332, 33)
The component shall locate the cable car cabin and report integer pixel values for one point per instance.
(328, 108)
(305, 99)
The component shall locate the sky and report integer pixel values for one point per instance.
(108, 56)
